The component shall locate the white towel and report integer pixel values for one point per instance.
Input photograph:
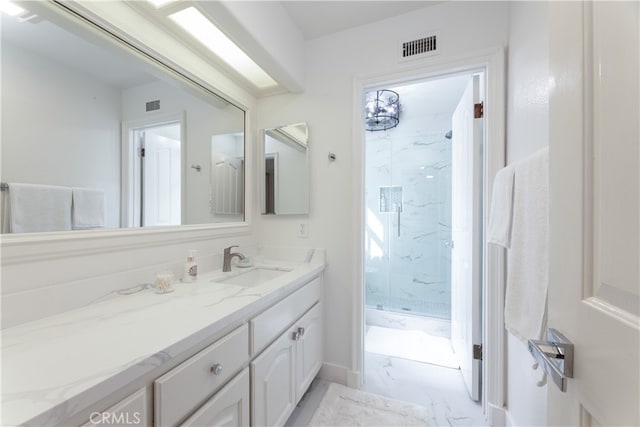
(501, 214)
(39, 208)
(527, 268)
(88, 208)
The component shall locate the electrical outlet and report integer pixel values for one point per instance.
(303, 230)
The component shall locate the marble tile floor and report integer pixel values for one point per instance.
(439, 389)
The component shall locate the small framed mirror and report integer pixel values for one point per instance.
(285, 181)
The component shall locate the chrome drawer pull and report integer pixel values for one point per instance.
(301, 331)
(216, 369)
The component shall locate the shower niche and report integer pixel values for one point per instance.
(391, 199)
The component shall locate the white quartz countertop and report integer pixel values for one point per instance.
(55, 367)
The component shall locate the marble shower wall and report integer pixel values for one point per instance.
(409, 270)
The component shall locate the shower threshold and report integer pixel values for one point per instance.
(388, 319)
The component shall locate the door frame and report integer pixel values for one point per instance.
(492, 63)
(129, 168)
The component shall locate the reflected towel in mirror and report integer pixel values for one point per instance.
(36, 208)
(88, 208)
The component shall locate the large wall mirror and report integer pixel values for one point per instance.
(285, 183)
(137, 146)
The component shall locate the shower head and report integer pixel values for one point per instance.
(448, 135)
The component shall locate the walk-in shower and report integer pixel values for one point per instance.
(408, 199)
(408, 220)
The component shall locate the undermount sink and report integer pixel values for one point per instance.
(253, 277)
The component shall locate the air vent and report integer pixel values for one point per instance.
(420, 47)
(153, 105)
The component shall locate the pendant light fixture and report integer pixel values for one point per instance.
(381, 110)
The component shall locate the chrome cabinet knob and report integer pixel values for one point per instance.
(216, 369)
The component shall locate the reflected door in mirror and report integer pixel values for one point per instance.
(285, 186)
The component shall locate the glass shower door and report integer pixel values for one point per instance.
(408, 223)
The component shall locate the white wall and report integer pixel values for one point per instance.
(527, 131)
(59, 127)
(327, 105)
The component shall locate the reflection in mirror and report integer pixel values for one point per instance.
(135, 145)
(285, 187)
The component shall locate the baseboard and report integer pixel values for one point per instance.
(497, 417)
(335, 373)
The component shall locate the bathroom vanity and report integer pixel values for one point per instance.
(221, 350)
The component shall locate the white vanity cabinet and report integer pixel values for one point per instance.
(284, 370)
(184, 389)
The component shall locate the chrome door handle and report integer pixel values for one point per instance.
(555, 355)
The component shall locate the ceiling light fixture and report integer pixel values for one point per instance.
(381, 110)
(195, 23)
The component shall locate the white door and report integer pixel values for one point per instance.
(594, 278)
(466, 236)
(161, 183)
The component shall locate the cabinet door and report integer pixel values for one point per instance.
(309, 349)
(229, 407)
(273, 372)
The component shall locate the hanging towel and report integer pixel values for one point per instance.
(36, 208)
(527, 266)
(88, 208)
(501, 214)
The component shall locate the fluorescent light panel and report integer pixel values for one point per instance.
(195, 23)
(10, 8)
(159, 3)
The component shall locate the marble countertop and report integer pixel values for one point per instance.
(55, 367)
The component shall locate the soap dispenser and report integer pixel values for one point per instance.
(190, 268)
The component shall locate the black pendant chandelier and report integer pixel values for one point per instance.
(381, 110)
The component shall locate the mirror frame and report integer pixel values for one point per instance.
(21, 248)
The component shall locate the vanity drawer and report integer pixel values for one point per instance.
(184, 388)
(266, 326)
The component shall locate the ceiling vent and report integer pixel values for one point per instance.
(153, 105)
(420, 47)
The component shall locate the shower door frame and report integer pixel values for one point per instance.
(492, 63)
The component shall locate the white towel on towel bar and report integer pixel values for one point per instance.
(527, 268)
(501, 214)
(35, 208)
(88, 208)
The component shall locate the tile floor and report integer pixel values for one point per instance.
(440, 389)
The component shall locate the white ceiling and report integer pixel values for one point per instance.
(320, 18)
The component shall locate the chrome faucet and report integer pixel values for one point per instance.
(228, 256)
